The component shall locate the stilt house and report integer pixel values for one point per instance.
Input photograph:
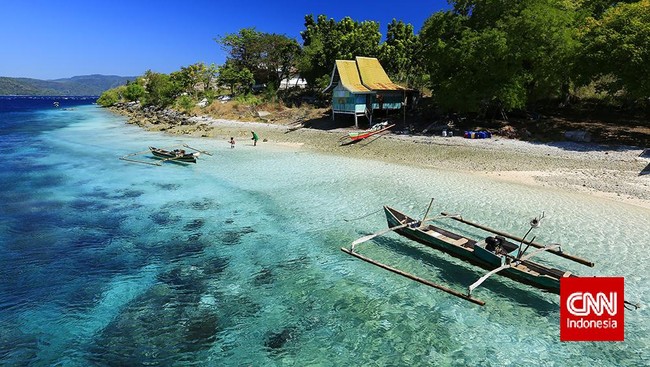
(361, 86)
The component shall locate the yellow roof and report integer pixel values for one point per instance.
(373, 75)
(363, 75)
(349, 75)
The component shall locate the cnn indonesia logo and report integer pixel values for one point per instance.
(592, 309)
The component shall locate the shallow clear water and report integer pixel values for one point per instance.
(236, 260)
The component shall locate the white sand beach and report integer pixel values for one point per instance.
(612, 172)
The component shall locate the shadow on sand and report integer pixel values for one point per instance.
(645, 171)
(325, 123)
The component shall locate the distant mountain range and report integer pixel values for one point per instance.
(84, 85)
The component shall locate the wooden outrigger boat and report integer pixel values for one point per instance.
(494, 253)
(357, 136)
(175, 155)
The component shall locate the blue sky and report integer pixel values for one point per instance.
(60, 39)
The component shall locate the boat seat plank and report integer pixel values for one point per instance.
(457, 242)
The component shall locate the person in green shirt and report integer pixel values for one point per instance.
(255, 138)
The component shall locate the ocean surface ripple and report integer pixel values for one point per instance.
(236, 261)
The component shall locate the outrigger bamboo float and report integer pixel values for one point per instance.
(175, 155)
(494, 253)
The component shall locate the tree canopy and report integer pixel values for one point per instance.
(477, 57)
(269, 57)
(618, 45)
(401, 54)
(326, 40)
(505, 53)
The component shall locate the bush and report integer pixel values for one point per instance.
(185, 103)
(110, 97)
(160, 90)
(134, 91)
(248, 99)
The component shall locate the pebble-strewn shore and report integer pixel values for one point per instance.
(606, 171)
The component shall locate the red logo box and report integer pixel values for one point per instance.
(592, 309)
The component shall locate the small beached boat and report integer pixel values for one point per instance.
(360, 135)
(176, 155)
(493, 253)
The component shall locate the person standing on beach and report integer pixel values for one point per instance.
(232, 142)
(254, 138)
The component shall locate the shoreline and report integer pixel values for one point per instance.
(608, 172)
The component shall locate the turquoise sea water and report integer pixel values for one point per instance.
(235, 260)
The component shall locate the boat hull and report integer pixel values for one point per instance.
(172, 156)
(464, 249)
(354, 136)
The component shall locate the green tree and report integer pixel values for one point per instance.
(467, 68)
(270, 57)
(235, 78)
(244, 49)
(134, 91)
(195, 79)
(618, 46)
(596, 8)
(401, 54)
(358, 38)
(160, 88)
(543, 43)
(111, 97)
(325, 41)
(506, 54)
(281, 57)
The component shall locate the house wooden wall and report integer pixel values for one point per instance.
(346, 101)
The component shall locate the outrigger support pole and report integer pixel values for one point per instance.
(516, 238)
(200, 151)
(137, 161)
(413, 277)
(384, 231)
(506, 266)
(126, 158)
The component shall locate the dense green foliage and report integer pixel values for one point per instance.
(325, 41)
(237, 79)
(110, 97)
(479, 57)
(401, 55)
(507, 54)
(162, 90)
(134, 91)
(269, 57)
(512, 54)
(618, 45)
(194, 79)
